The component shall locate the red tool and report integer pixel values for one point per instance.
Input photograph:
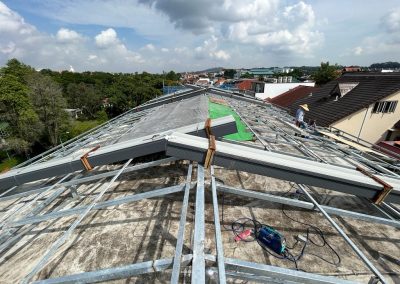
(243, 235)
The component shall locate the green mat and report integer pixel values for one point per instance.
(217, 111)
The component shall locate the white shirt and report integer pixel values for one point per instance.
(300, 115)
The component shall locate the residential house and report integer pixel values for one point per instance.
(364, 105)
(352, 69)
(265, 89)
(288, 98)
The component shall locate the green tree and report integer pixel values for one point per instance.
(172, 76)
(325, 73)
(46, 96)
(247, 75)
(85, 97)
(17, 109)
(229, 73)
(17, 69)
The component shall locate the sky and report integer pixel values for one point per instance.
(183, 35)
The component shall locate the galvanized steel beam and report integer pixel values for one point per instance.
(56, 245)
(281, 166)
(345, 237)
(176, 269)
(113, 153)
(278, 273)
(115, 273)
(306, 205)
(199, 264)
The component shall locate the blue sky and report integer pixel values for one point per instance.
(157, 35)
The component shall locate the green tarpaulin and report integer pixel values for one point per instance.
(217, 110)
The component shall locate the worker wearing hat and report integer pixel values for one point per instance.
(300, 116)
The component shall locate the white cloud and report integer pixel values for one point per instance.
(210, 49)
(290, 30)
(385, 43)
(358, 50)
(7, 47)
(107, 38)
(68, 36)
(164, 49)
(11, 22)
(391, 21)
(149, 47)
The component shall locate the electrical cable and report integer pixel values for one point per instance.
(240, 225)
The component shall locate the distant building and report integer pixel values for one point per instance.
(264, 90)
(245, 84)
(262, 72)
(364, 105)
(203, 82)
(73, 112)
(352, 69)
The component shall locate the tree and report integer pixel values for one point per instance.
(325, 73)
(172, 76)
(247, 75)
(229, 73)
(386, 65)
(46, 96)
(85, 97)
(17, 69)
(17, 109)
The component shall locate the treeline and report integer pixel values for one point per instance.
(33, 104)
(386, 65)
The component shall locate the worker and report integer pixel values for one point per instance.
(300, 116)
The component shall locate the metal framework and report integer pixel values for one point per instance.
(278, 152)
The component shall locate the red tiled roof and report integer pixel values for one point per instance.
(245, 84)
(288, 98)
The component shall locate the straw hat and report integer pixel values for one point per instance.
(305, 107)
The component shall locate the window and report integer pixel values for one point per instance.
(258, 87)
(384, 107)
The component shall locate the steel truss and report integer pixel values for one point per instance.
(206, 265)
(311, 169)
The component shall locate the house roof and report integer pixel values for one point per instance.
(245, 84)
(288, 98)
(371, 87)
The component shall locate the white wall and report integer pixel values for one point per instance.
(374, 128)
(272, 90)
